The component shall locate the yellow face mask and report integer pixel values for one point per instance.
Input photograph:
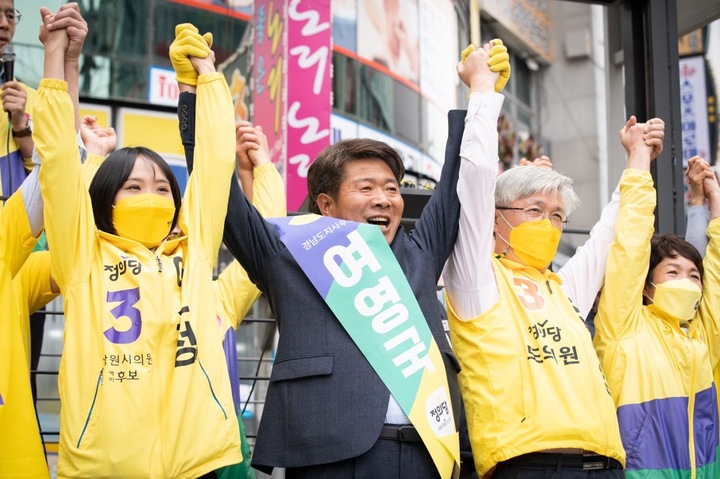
(534, 242)
(678, 298)
(145, 218)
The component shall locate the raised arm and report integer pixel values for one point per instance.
(205, 201)
(68, 211)
(584, 274)
(262, 184)
(68, 18)
(99, 142)
(469, 279)
(236, 292)
(248, 237)
(698, 215)
(71, 24)
(709, 310)
(629, 256)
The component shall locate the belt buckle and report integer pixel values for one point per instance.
(594, 462)
(401, 433)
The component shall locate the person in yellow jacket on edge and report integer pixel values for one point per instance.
(658, 335)
(21, 453)
(143, 382)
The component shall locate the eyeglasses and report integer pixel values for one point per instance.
(533, 213)
(13, 16)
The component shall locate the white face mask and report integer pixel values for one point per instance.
(678, 298)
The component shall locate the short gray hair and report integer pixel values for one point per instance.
(525, 181)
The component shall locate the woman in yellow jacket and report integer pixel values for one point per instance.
(658, 336)
(143, 381)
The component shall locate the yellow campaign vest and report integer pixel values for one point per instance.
(530, 377)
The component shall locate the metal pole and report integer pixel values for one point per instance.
(652, 89)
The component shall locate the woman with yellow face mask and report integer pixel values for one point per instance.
(658, 338)
(143, 382)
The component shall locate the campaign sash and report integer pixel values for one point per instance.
(353, 268)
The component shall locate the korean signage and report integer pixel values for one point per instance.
(269, 107)
(308, 92)
(693, 109)
(292, 90)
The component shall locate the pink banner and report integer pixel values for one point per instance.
(309, 106)
(269, 108)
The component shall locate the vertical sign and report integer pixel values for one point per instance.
(308, 91)
(693, 109)
(269, 107)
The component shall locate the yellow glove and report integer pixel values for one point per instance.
(499, 62)
(188, 43)
(470, 48)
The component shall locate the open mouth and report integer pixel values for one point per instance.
(379, 221)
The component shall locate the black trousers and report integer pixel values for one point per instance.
(545, 473)
(387, 459)
(558, 466)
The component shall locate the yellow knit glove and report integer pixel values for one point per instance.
(188, 43)
(499, 62)
(470, 48)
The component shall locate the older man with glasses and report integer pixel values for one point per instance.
(537, 401)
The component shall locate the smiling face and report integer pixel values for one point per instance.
(145, 177)
(670, 268)
(368, 193)
(7, 29)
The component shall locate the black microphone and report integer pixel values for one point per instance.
(8, 59)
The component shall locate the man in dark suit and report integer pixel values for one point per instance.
(328, 413)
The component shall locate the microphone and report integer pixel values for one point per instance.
(8, 60)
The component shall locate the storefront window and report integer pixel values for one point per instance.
(130, 36)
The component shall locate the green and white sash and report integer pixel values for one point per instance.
(352, 267)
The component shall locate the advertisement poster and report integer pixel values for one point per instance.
(387, 35)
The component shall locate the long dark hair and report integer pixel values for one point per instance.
(114, 172)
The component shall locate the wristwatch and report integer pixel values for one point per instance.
(27, 131)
